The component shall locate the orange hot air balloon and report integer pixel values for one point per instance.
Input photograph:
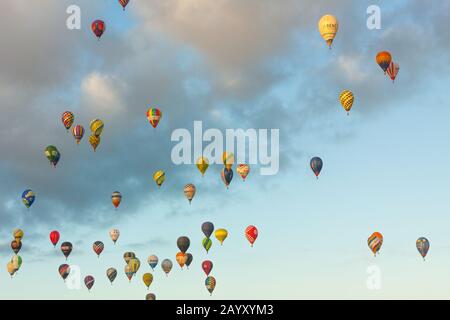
(181, 259)
(374, 242)
(383, 59)
(116, 198)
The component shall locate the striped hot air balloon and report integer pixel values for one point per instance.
(67, 119)
(374, 242)
(346, 98)
(111, 273)
(243, 170)
(159, 177)
(328, 27)
(124, 3)
(392, 70)
(89, 282)
(98, 247)
(78, 133)
(116, 198)
(153, 116)
(210, 284)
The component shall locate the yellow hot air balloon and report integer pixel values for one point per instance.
(159, 177)
(96, 127)
(202, 164)
(18, 234)
(11, 269)
(228, 159)
(328, 27)
(221, 235)
(181, 259)
(94, 141)
(346, 98)
(148, 279)
(134, 265)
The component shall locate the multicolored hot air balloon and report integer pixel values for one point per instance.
(383, 59)
(114, 235)
(148, 279)
(111, 273)
(393, 70)
(227, 176)
(89, 282)
(152, 261)
(328, 27)
(166, 265)
(202, 164)
(228, 160)
(423, 245)
(54, 237)
(190, 257)
(66, 248)
(207, 267)
(28, 198)
(98, 247)
(207, 243)
(189, 191)
(346, 98)
(159, 177)
(127, 256)
(243, 170)
(124, 3)
(153, 116)
(129, 273)
(78, 133)
(52, 155)
(251, 233)
(221, 235)
(18, 234)
(94, 141)
(116, 198)
(375, 241)
(181, 258)
(64, 271)
(316, 166)
(98, 27)
(16, 246)
(96, 127)
(207, 228)
(183, 243)
(67, 119)
(210, 284)
(16, 261)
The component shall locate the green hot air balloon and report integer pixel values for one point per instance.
(207, 243)
(52, 155)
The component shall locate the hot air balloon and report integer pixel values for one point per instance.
(207, 267)
(210, 284)
(153, 116)
(16, 260)
(134, 264)
(16, 246)
(98, 27)
(243, 170)
(316, 165)
(384, 59)
(52, 155)
(96, 127)
(227, 176)
(114, 234)
(423, 245)
(148, 279)
(228, 160)
(251, 233)
(207, 243)
(183, 243)
(78, 133)
(111, 273)
(159, 177)
(66, 248)
(89, 282)
(152, 261)
(375, 241)
(221, 235)
(64, 271)
(54, 237)
(116, 198)
(190, 257)
(28, 198)
(181, 258)
(346, 98)
(189, 191)
(129, 272)
(150, 296)
(207, 228)
(67, 119)
(124, 3)
(127, 256)
(392, 70)
(328, 27)
(18, 234)
(98, 247)
(10, 268)
(166, 265)
(202, 164)
(94, 141)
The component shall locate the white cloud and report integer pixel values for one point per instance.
(101, 92)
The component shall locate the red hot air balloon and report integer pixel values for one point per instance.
(89, 282)
(251, 233)
(207, 267)
(98, 27)
(98, 247)
(124, 3)
(54, 237)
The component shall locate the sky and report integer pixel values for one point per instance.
(258, 64)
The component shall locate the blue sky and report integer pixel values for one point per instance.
(257, 64)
